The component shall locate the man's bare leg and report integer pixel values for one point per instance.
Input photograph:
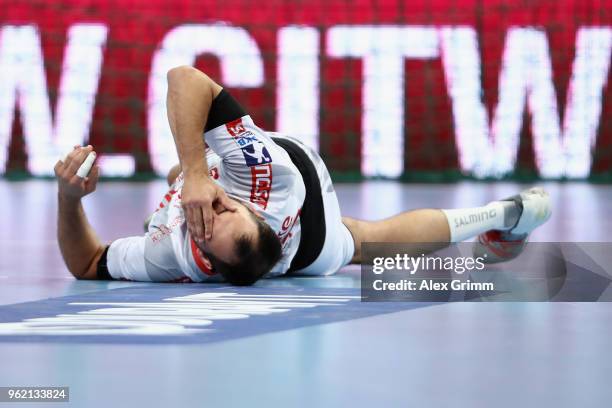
(434, 226)
(417, 226)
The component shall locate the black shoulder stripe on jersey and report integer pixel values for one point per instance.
(224, 109)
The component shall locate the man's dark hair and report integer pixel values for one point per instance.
(255, 259)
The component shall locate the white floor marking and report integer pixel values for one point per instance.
(172, 316)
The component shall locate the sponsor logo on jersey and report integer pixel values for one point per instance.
(261, 184)
(246, 140)
(253, 150)
(235, 127)
(165, 230)
(288, 223)
(162, 231)
(240, 134)
(256, 154)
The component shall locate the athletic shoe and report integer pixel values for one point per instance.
(500, 246)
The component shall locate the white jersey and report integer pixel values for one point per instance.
(249, 166)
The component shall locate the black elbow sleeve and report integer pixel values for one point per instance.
(102, 268)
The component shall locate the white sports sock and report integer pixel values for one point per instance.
(465, 223)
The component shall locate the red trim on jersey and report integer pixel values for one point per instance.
(200, 260)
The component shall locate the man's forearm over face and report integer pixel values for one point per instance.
(190, 96)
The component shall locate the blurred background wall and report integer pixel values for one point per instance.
(419, 90)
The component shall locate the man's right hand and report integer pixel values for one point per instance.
(199, 196)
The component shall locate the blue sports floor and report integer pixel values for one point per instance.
(291, 342)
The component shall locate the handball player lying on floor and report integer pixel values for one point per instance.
(245, 204)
